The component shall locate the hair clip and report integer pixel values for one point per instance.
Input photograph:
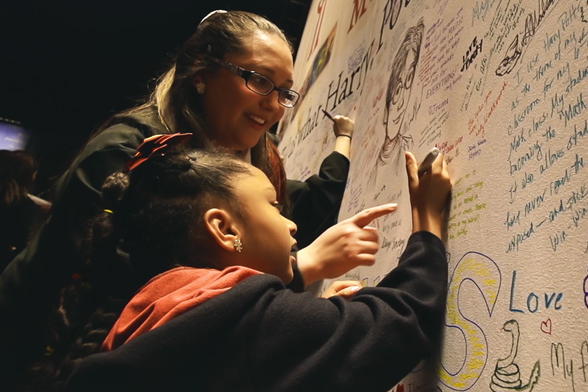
(108, 211)
(210, 14)
(49, 351)
(155, 144)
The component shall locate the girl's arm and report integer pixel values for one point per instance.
(259, 336)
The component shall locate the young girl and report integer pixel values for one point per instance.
(210, 252)
(229, 84)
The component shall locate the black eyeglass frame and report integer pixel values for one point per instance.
(246, 75)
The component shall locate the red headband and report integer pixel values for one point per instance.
(153, 144)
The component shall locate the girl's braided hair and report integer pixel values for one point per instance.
(155, 214)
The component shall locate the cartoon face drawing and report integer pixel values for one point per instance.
(401, 91)
(398, 98)
(402, 77)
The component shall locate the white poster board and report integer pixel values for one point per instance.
(500, 86)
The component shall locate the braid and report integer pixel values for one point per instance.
(72, 338)
(94, 332)
(89, 305)
(155, 214)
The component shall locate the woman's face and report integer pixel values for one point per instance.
(236, 116)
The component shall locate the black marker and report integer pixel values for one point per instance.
(329, 115)
(428, 161)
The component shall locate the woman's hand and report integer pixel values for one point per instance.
(429, 195)
(343, 128)
(342, 247)
(342, 288)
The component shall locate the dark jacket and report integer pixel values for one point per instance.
(317, 200)
(17, 224)
(259, 336)
(31, 282)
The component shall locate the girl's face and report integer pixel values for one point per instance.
(236, 116)
(266, 234)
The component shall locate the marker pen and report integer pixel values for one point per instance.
(329, 115)
(428, 161)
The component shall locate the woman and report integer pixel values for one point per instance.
(20, 211)
(229, 84)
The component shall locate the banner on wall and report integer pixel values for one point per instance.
(500, 87)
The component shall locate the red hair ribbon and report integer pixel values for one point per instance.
(153, 144)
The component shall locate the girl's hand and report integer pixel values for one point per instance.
(429, 195)
(344, 246)
(342, 288)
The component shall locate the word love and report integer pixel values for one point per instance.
(534, 302)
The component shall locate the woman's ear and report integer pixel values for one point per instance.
(199, 82)
(200, 87)
(223, 228)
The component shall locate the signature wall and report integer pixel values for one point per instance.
(501, 88)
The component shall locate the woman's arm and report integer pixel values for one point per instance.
(343, 128)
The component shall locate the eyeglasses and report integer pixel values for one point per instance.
(260, 84)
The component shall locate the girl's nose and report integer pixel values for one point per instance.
(291, 226)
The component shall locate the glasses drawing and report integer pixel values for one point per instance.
(398, 100)
(259, 83)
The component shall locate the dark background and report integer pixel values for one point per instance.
(66, 66)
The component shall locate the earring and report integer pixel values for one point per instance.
(238, 245)
(200, 87)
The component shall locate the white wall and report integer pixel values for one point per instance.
(500, 87)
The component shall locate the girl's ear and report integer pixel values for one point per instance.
(223, 228)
